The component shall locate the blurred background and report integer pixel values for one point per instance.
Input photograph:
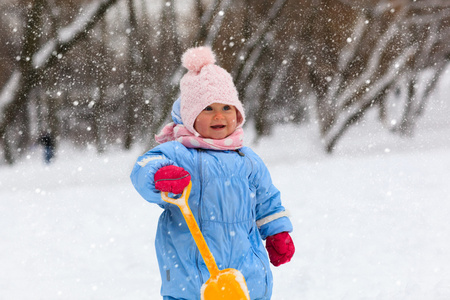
(105, 73)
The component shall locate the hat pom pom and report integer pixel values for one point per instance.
(195, 59)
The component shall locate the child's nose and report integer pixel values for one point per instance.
(218, 116)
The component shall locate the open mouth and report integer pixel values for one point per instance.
(218, 126)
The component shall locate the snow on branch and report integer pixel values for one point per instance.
(43, 55)
(69, 34)
(430, 41)
(349, 113)
(213, 31)
(349, 51)
(397, 65)
(215, 28)
(249, 65)
(9, 90)
(209, 13)
(257, 37)
(282, 72)
(346, 56)
(372, 65)
(428, 18)
(46, 55)
(271, 16)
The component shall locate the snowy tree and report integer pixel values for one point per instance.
(34, 60)
(351, 76)
(428, 27)
(107, 72)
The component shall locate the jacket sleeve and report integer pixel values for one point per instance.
(142, 175)
(271, 216)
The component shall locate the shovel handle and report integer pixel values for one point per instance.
(182, 203)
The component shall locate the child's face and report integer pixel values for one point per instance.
(216, 121)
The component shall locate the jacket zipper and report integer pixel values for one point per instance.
(199, 214)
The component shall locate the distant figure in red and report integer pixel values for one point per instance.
(47, 140)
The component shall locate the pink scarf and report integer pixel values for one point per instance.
(179, 133)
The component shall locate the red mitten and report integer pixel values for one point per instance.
(280, 248)
(171, 179)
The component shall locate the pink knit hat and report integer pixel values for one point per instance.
(205, 84)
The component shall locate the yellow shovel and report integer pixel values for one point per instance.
(228, 284)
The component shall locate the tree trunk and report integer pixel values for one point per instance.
(99, 106)
(31, 70)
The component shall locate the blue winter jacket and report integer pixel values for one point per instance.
(236, 206)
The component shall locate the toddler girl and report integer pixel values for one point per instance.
(232, 198)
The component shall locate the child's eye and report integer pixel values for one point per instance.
(208, 108)
(226, 107)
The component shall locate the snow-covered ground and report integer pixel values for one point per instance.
(370, 222)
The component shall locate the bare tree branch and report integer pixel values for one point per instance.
(36, 61)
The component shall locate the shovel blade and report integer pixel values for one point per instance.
(229, 284)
